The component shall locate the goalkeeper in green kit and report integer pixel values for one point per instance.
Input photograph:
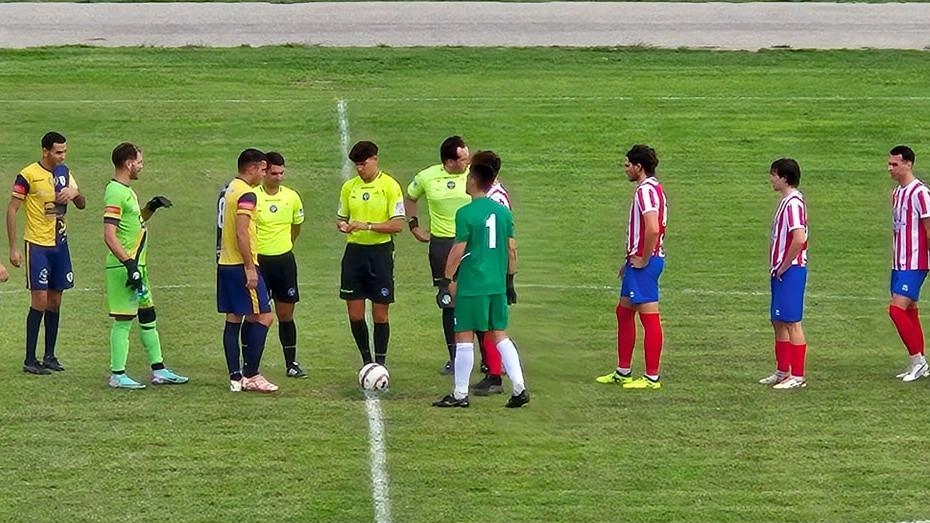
(128, 291)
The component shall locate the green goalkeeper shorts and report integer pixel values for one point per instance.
(481, 313)
(123, 300)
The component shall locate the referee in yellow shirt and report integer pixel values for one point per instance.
(443, 187)
(371, 211)
(280, 213)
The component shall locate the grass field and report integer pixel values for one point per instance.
(710, 446)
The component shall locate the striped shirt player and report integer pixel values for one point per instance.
(788, 276)
(643, 264)
(910, 205)
(500, 195)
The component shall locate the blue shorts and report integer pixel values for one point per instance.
(233, 298)
(48, 268)
(788, 295)
(907, 283)
(642, 285)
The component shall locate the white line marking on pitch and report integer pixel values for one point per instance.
(378, 458)
(343, 115)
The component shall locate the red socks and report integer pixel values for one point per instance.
(652, 341)
(783, 355)
(908, 325)
(626, 336)
(798, 355)
(492, 357)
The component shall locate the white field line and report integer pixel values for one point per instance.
(527, 98)
(342, 113)
(378, 458)
(377, 454)
(589, 287)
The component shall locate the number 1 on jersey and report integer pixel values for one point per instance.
(491, 224)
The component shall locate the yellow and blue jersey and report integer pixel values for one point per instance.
(239, 199)
(37, 187)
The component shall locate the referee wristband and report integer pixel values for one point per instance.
(369, 226)
(413, 222)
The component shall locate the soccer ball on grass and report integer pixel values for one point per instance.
(374, 377)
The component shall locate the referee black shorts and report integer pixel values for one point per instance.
(280, 273)
(439, 249)
(368, 272)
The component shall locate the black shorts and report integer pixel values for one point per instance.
(280, 272)
(368, 272)
(439, 249)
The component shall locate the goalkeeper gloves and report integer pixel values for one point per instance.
(158, 202)
(444, 297)
(511, 292)
(134, 276)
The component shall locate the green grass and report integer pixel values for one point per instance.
(710, 446)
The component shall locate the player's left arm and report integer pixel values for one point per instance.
(297, 218)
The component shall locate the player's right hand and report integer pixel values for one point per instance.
(4, 275)
(444, 297)
(15, 257)
(133, 276)
(511, 291)
(251, 278)
(420, 234)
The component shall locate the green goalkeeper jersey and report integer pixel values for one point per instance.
(486, 228)
(122, 210)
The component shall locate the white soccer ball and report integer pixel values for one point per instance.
(374, 377)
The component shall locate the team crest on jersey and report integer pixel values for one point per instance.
(273, 208)
(450, 184)
(366, 196)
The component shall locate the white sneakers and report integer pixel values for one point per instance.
(791, 382)
(775, 378)
(915, 371)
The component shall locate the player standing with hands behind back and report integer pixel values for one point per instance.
(639, 274)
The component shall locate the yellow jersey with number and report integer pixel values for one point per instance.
(239, 199)
(37, 187)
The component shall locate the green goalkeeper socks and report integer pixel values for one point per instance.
(150, 342)
(119, 345)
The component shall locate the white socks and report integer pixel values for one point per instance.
(464, 362)
(511, 361)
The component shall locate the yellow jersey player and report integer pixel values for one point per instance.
(44, 188)
(280, 213)
(371, 212)
(240, 289)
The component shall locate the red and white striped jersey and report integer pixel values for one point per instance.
(648, 197)
(499, 194)
(790, 215)
(910, 204)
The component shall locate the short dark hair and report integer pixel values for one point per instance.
(641, 154)
(275, 158)
(249, 157)
(787, 169)
(51, 138)
(905, 152)
(450, 147)
(489, 158)
(483, 174)
(123, 153)
(362, 151)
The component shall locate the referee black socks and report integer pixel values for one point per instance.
(382, 335)
(287, 333)
(360, 333)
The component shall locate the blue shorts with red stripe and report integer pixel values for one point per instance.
(907, 283)
(788, 295)
(232, 297)
(48, 268)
